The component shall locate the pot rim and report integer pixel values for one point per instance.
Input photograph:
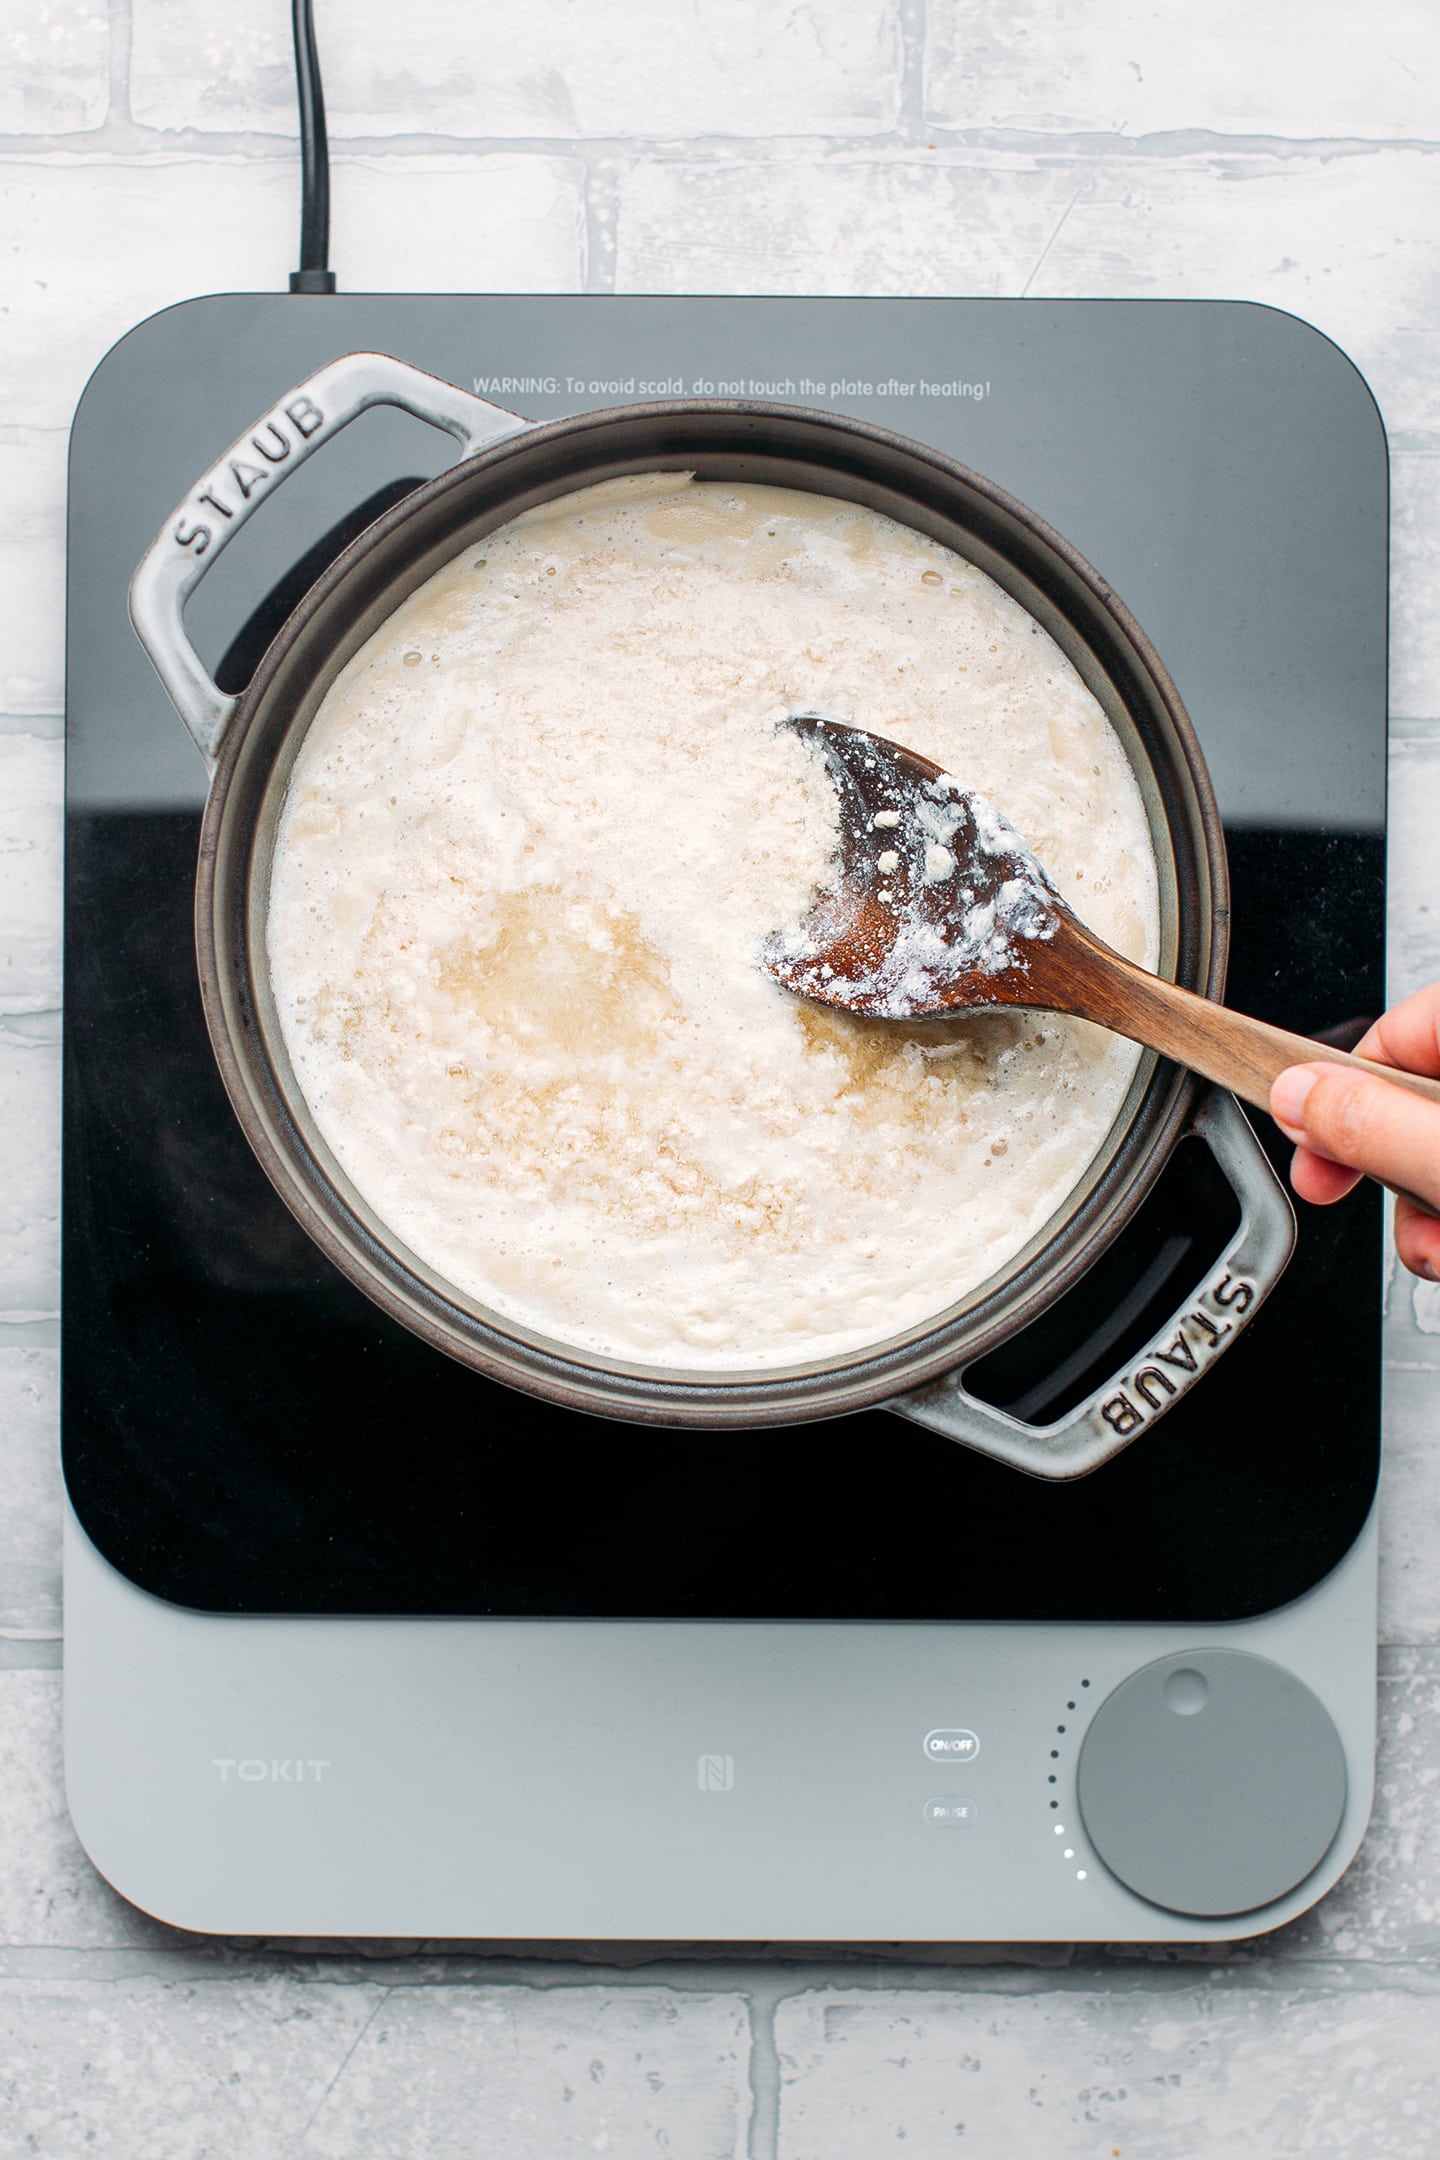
(1157, 1108)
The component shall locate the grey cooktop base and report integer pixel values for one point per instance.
(712, 1781)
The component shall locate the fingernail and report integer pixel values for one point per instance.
(1428, 1269)
(1287, 1099)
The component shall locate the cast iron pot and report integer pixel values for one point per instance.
(510, 465)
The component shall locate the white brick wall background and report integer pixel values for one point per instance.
(1255, 149)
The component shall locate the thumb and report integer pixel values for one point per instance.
(1357, 1119)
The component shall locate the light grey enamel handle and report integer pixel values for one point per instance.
(250, 470)
(1179, 1353)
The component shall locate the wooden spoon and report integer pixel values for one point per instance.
(940, 906)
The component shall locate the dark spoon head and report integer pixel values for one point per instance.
(937, 903)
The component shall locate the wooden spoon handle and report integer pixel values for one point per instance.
(1244, 1055)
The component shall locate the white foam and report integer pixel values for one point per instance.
(520, 881)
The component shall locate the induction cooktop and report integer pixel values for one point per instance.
(359, 1641)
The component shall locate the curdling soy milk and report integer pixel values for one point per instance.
(532, 841)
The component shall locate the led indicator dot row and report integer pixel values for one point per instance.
(1068, 1851)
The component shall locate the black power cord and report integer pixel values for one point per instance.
(314, 274)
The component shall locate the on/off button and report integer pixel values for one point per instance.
(951, 1743)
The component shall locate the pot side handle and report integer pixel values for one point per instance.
(1179, 1353)
(250, 470)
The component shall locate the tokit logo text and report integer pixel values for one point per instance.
(269, 1769)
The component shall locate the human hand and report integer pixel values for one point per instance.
(1347, 1124)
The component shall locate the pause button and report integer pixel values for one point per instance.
(950, 1811)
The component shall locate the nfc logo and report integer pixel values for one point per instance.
(715, 1773)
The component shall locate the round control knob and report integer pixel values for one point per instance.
(1211, 1782)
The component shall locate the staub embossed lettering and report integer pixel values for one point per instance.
(1168, 1368)
(274, 439)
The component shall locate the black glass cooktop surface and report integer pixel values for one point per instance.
(244, 1432)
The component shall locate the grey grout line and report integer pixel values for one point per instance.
(1172, 143)
(602, 222)
(30, 1331)
(762, 2000)
(32, 1024)
(121, 41)
(912, 31)
(1249, 1965)
(127, 138)
(29, 1653)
